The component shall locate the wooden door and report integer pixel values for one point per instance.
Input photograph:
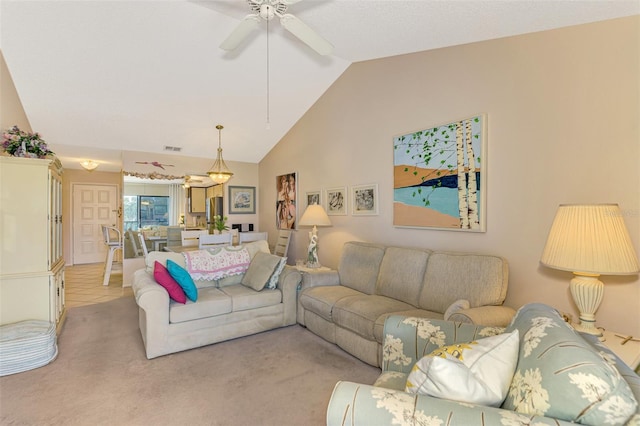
(93, 206)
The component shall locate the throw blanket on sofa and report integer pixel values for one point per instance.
(215, 263)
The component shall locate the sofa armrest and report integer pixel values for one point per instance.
(288, 283)
(496, 316)
(153, 315)
(320, 278)
(358, 404)
(148, 293)
(407, 339)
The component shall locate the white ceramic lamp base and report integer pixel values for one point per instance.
(587, 292)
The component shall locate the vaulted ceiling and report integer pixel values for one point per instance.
(98, 77)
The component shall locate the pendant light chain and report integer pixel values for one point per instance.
(268, 120)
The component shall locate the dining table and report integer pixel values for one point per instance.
(181, 249)
(157, 240)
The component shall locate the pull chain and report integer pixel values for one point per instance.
(268, 126)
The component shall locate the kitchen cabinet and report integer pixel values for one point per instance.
(197, 200)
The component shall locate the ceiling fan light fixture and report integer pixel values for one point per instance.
(89, 165)
(219, 172)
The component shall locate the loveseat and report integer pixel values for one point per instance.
(225, 308)
(349, 306)
(559, 377)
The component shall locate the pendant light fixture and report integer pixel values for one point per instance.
(219, 172)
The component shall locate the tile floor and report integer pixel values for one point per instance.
(83, 285)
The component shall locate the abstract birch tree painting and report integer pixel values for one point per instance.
(439, 176)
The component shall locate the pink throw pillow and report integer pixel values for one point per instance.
(163, 277)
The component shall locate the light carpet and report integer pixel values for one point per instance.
(101, 376)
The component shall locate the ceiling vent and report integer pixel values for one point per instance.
(172, 148)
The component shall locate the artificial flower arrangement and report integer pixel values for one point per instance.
(219, 223)
(24, 144)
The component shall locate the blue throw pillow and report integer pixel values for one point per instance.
(183, 278)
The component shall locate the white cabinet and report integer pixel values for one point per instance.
(31, 258)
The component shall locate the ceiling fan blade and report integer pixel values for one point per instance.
(246, 26)
(305, 33)
(289, 2)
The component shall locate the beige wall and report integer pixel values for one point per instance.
(562, 109)
(11, 110)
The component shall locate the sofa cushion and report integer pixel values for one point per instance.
(560, 375)
(320, 300)
(401, 274)
(273, 280)
(183, 278)
(481, 279)
(244, 298)
(164, 278)
(359, 265)
(211, 302)
(161, 257)
(477, 372)
(252, 247)
(260, 270)
(359, 313)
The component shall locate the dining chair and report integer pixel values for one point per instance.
(191, 238)
(113, 240)
(174, 235)
(282, 245)
(143, 245)
(214, 240)
(135, 243)
(246, 237)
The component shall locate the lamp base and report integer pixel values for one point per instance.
(312, 250)
(587, 291)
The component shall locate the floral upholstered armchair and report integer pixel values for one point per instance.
(557, 377)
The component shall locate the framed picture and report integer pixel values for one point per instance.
(439, 176)
(242, 200)
(286, 203)
(336, 201)
(314, 197)
(364, 200)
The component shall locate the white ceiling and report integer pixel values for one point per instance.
(99, 77)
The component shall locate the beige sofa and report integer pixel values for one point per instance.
(349, 306)
(225, 309)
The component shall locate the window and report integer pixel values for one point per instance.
(145, 210)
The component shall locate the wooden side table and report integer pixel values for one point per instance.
(627, 348)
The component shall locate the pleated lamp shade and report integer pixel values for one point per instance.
(592, 239)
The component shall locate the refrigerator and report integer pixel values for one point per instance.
(214, 207)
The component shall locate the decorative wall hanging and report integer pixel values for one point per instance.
(152, 175)
(314, 197)
(286, 209)
(364, 200)
(242, 199)
(155, 164)
(440, 176)
(336, 200)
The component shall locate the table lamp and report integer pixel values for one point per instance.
(589, 240)
(314, 216)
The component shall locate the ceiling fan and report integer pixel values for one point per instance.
(193, 178)
(267, 10)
